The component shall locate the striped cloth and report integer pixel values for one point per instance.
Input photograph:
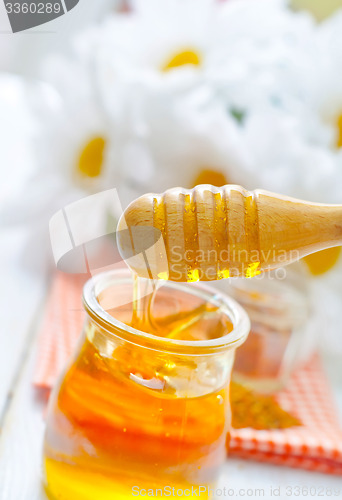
(317, 445)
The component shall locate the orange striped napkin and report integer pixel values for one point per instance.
(316, 445)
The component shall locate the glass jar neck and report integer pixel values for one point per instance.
(109, 322)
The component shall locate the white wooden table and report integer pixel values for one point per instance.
(22, 423)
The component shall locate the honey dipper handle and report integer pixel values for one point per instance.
(295, 227)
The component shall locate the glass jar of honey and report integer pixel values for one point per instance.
(144, 410)
(284, 327)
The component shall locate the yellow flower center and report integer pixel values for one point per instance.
(90, 161)
(339, 132)
(321, 262)
(210, 176)
(182, 59)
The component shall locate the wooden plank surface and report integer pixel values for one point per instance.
(21, 293)
(21, 441)
(22, 296)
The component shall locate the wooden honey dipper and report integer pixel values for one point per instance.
(210, 233)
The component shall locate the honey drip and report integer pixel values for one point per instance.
(173, 326)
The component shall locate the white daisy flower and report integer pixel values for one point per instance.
(153, 70)
(79, 134)
(281, 79)
(166, 46)
(160, 36)
(281, 160)
(72, 144)
(268, 56)
(181, 141)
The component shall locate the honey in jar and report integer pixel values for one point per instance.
(143, 407)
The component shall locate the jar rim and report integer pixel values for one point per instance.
(114, 327)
